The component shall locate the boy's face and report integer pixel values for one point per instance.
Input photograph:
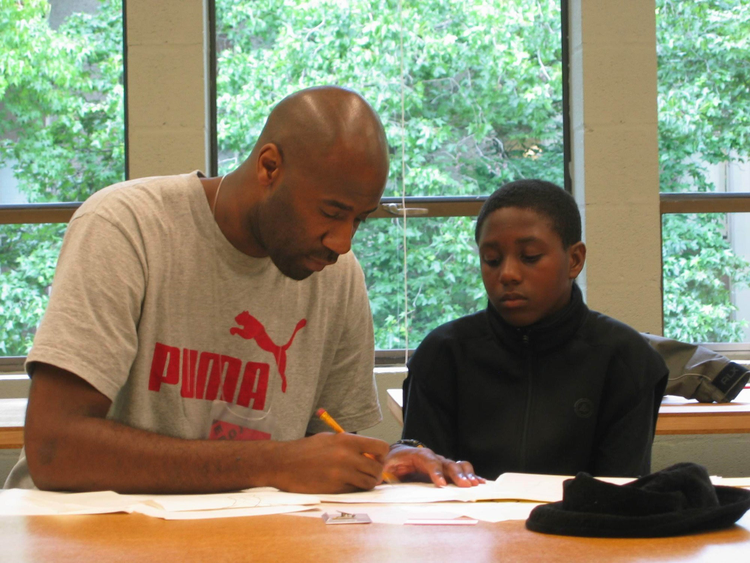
(526, 271)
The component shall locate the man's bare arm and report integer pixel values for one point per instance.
(71, 446)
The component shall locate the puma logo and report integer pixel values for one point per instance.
(252, 328)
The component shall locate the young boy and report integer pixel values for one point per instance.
(537, 382)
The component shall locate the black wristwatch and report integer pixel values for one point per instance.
(409, 442)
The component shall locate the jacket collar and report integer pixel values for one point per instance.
(545, 334)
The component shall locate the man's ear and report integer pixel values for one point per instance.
(577, 258)
(269, 163)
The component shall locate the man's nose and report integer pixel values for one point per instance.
(339, 238)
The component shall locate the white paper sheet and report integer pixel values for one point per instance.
(249, 498)
(22, 502)
(386, 503)
(732, 481)
(539, 488)
(498, 511)
(509, 486)
(402, 493)
(221, 513)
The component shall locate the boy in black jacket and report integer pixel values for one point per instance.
(537, 382)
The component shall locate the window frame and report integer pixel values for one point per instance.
(436, 207)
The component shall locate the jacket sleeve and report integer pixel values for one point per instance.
(697, 372)
(625, 432)
(429, 397)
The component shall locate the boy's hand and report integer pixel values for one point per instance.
(422, 464)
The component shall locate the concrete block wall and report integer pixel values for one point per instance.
(167, 87)
(614, 155)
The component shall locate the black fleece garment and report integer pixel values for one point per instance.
(577, 391)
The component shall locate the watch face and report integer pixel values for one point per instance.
(411, 442)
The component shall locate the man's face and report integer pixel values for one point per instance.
(525, 269)
(309, 219)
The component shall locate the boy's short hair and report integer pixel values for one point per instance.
(546, 198)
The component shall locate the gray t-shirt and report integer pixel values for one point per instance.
(191, 338)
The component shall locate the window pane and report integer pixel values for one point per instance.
(29, 254)
(704, 144)
(706, 277)
(61, 137)
(482, 81)
(61, 99)
(704, 100)
(444, 279)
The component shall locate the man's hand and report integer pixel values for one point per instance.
(422, 464)
(330, 463)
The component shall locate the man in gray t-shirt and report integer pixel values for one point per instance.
(196, 324)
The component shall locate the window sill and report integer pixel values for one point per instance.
(12, 416)
(682, 416)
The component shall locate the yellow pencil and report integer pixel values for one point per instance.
(323, 415)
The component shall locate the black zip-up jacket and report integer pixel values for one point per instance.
(577, 391)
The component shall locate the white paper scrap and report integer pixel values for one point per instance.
(224, 513)
(249, 498)
(29, 502)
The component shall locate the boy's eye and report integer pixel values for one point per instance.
(492, 262)
(329, 215)
(530, 259)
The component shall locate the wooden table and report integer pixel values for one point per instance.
(676, 415)
(136, 538)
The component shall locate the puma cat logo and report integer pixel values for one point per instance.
(251, 328)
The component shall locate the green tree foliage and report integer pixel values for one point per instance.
(62, 100)
(704, 119)
(481, 81)
(61, 131)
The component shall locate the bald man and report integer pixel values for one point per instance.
(196, 325)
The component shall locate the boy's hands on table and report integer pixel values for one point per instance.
(422, 464)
